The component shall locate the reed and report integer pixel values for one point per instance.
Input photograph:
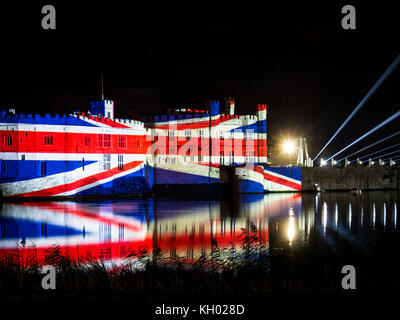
(252, 269)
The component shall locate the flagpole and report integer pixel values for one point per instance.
(102, 88)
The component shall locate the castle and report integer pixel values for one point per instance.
(209, 149)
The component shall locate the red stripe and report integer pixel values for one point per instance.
(282, 181)
(79, 183)
(111, 123)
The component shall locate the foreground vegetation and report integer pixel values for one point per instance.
(252, 271)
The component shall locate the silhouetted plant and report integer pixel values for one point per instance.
(251, 268)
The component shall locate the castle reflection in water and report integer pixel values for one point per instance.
(110, 230)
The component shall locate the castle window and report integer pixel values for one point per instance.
(120, 162)
(48, 140)
(171, 135)
(7, 141)
(100, 140)
(188, 134)
(249, 134)
(43, 168)
(83, 164)
(3, 166)
(88, 141)
(106, 162)
(44, 229)
(104, 140)
(107, 141)
(122, 142)
(22, 157)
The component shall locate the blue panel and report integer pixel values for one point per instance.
(174, 177)
(249, 186)
(257, 127)
(291, 172)
(20, 228)
(18, 170)
(214, 108)
(134, 183)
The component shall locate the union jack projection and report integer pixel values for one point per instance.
(96, 154)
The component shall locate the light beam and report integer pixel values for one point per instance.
(391, 118)
(370, 154)
(371, 145)
(388, 71)
(384, 155)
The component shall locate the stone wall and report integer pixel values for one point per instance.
(365, 178)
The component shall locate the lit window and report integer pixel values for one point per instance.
(88, 141)
(104, 140)
(107, 141)
(122, 142)
(48, 140)
(106, 162)
(43, 168)
(188, 134)
(7, 141)
(120, 162)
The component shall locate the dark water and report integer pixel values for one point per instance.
(110, 230)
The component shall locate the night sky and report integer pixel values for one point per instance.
(296, 58)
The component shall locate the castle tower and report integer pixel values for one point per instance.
(262, 133)
(229, 106)
(103, 107)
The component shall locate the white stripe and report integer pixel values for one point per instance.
(100, 182)
(282, 177)
(68, 156)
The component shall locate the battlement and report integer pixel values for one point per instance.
(261, 107)
(187, 112)
(5, 115)
(62, 119)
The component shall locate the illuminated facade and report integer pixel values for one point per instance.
(96, 154)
